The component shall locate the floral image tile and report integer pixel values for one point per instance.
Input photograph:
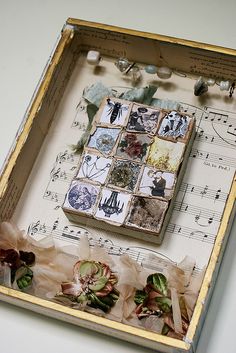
(104, 139)
(165, 155)
(157, 183)
(114, 112)
(174, 126)
(147, 213)
(81, 196)
(113, 206)
(143, 119)
(94, 167)
(133, 146)
(124, 174)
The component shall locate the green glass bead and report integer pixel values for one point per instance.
(151, 69)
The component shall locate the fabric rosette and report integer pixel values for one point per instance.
(93, 285)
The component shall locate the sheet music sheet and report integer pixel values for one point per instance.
(201, 199)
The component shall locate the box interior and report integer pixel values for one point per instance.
(41, 174)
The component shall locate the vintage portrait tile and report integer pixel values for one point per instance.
(124, 174)
(147, 213)
(143, 119)
(94, 167)
(104, 139)
(133, 146)
(112, 206)
(174, 126)
(157, 183)
(81, 196)
(114, 112)
(165, 155)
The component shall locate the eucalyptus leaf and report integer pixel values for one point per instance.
(159, 282)
(91, 111)
(80, 145)
(140, 95)
(95, 93)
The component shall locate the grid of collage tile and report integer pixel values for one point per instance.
(128, 170)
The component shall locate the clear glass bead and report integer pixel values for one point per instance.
(122, 64)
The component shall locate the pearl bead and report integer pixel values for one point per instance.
(151, 69)
(211, 81)
(164, 72)
(224, 85)
(93, 57)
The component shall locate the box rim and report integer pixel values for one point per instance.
(159, 37)
(66, 37)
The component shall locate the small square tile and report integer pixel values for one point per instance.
(81, 197)
(147, 213)
(104, 139)
(124, 174)
(114, 112)
(113, 206)
(143, 119)
(174, 126)
(157, 183)
(94, 167)
(133, 146)
(165, 155)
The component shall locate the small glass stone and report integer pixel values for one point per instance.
(164, 72)
(151, 69)
(200, 87)
(122, 64)
(135, 74)
(224, 85)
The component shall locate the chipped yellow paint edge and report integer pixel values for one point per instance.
(87, 317)
(66, 38)
(208, 278)
(162, 38)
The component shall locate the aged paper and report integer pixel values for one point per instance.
(203, 192)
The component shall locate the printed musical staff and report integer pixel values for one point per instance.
(213, 157)
(59, 174)
(67, 157)
(141, 254)
(53, 196)
(197, 211)
(214, 139)
(206, 192)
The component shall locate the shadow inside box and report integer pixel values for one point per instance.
(215, 330)
(166, 86)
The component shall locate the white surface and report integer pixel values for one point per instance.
(28, 32)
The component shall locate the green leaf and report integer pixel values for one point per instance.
(159, 282)
(164, 304)
(165, 330)
(140, 297)
(87, 268)
(98, 303)
(99, 284)
(91, 111)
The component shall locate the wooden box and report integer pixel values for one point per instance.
(37, 147)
